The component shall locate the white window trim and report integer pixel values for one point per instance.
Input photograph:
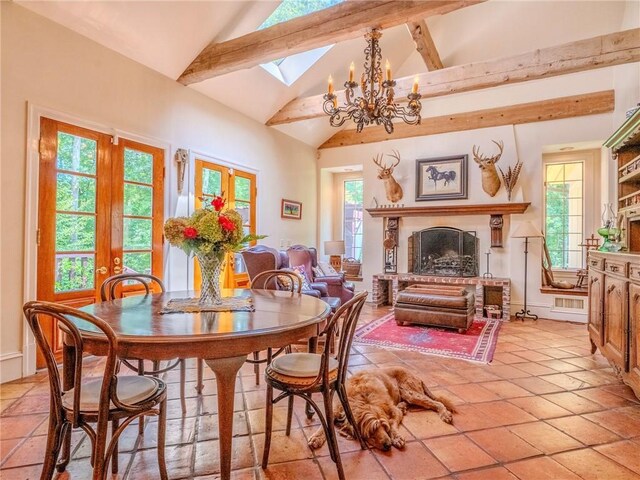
(590, 191)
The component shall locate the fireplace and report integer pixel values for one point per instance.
(445, 251)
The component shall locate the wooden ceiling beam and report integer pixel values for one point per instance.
(335, 24)
(554, 109)
(424, 44)
(597, 52)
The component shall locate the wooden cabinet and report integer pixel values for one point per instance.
(614, 312)
(634, 333)
(615, 321)
(595, 310)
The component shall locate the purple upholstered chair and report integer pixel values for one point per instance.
(308, 257)
(261, 258)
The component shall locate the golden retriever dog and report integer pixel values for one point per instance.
(378, 399)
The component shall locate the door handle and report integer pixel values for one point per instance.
(102, 270)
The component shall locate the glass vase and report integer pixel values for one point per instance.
(210, 268)
(608, 217)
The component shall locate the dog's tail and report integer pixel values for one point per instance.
(445, 401)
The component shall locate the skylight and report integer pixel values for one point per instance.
(289, 69)
(289, 9)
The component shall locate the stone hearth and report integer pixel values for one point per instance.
(386, 286)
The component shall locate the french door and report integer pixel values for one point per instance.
(100, 213)
(239, 189)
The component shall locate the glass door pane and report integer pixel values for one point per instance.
(137, 210)
(75, 223)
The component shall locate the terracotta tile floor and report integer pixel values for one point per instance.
(544, 409)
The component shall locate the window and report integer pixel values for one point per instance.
(289, 9)
(564, 222)
(353, 216)
(289, 69)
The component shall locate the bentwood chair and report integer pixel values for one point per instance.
(302, 374)
(109, 291)
(273, 280)
(98, 400)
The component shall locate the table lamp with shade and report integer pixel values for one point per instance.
(335, 250)
(526, 230)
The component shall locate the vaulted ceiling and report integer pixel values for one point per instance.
(167, 36)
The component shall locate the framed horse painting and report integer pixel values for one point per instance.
(441, 178)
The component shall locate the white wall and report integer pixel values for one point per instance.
(522, 141)
(47, 65)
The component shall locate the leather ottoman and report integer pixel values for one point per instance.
(436, 306)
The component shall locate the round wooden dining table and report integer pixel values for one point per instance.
(222, 339)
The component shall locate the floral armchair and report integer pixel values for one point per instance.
(308, 257)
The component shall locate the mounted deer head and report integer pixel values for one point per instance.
(490, 179)
(392, 188)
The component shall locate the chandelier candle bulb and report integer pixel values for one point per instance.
(415, 85)
(330, 84)
(388, 67)
(352, 70)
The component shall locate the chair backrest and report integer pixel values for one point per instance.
(259, 259)
(344, 321)
(305, 256)
(109, 286)
(278, 280)
(35, 313)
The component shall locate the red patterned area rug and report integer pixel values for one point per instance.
(477, 344)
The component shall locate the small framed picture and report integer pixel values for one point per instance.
(291, 209)
(441, 178)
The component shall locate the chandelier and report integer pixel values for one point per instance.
(376, 105)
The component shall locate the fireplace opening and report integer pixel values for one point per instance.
(445, 251)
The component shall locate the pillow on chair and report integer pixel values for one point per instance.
(327, 269)
(284, 282)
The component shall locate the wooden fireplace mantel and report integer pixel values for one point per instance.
(438, 210)
(495, 210)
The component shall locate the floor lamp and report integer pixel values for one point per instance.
(526, 230)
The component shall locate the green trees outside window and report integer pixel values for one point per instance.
(353, 218)
(564, 213)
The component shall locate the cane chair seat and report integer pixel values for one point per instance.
(300, 364)
(131, 390)
(295, 381)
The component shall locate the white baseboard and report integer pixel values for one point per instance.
(548, 312)
(10, 366)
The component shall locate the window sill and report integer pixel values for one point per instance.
(577, 292)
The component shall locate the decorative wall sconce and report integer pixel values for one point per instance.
(182, 158)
